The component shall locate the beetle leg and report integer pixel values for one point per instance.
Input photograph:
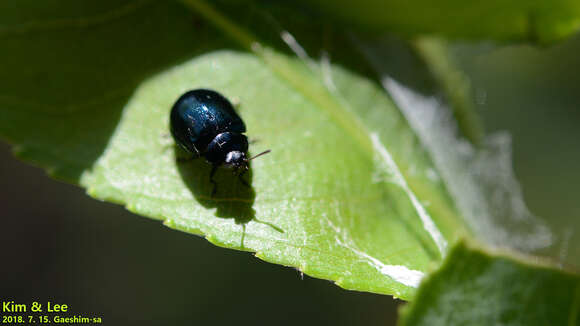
(244, 182)
(211, 174)
(187, 159)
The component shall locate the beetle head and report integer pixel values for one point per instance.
(237, 161)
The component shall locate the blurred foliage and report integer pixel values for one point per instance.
(535, 21)
(474, 287)
(533, 93)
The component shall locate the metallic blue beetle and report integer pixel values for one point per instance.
(204, 123)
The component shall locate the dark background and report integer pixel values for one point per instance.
(58, 244)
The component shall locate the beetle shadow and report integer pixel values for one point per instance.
(232, 199)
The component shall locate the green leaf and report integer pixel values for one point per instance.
(539, 21)
(328, 199)
(478, 287)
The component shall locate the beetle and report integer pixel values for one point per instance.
(204, 123)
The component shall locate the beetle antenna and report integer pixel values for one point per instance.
(264, 152)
